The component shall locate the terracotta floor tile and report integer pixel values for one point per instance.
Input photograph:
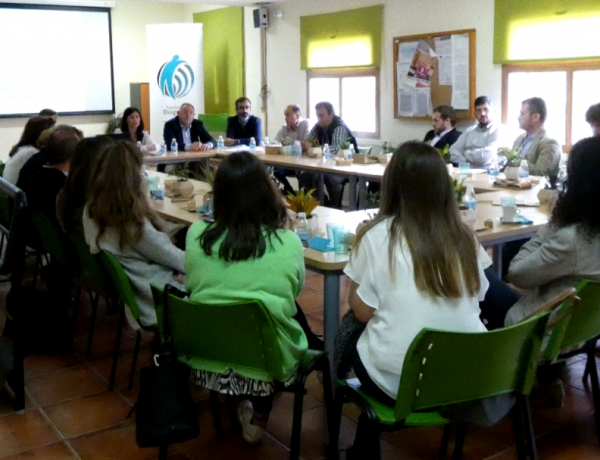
(89, 413)
(58, 451)
(40, 364)
(19, 433)
(115, 443)
(7, 403)
(315, 323)
(310, 301)
(65, 384)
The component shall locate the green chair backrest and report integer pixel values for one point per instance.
(4, 210)
(582, 325)
(215, 338)
(214, 122)
(120, 282)
(54, 241)
(365, 150)
(443, 367)
(95, 275)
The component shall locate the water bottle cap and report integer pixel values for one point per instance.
(301, 215)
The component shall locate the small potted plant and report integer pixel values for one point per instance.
(182, 186)
(113, 124)
(445, 153)
(345, 148)
(304, 202)
(287, 143)
(513, 161)
(550, 193)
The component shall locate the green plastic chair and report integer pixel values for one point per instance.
(443, 368)
(94, 278)
(55, 243)
(214, 123)
(238, 336)
(123, 287)
(581, 326)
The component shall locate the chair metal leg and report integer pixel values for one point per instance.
(518, 416)
(38, 261)
(460, 441)
(136, 350)
(297, 420)
(216, 412)
(120, 326)
(76, 305)
(528, 429)
(95, 300)
(595, 386)
(445, 439)
(332, 427)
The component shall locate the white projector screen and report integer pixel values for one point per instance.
(55, 57)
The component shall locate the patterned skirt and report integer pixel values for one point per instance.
(231, 383)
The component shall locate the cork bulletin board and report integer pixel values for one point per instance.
(434, 69)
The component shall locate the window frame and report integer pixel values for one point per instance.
(550, 66)
(345, 73)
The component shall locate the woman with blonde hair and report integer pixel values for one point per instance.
(118, 218)
(415, 266)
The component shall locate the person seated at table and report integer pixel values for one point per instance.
(329, 129)
(49, 113)
(443, 133)
(295, 128)
(415, 266)
(592, 116)
(541, 152)
(72, 198)
(40, 159)
(119, 219)
(43, 187)
(132, 124)
(478, 145)
(190, 133)
(26, 147)
(247, 254)
(243, 126)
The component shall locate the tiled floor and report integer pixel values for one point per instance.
(70, 414)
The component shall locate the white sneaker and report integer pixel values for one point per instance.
(252, 434)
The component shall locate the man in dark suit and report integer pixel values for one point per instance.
(243, 126)
(443, 133)
(189, 133)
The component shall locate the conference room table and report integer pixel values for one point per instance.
(358, 174)
(331, 265)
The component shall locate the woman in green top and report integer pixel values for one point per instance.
(247, 254)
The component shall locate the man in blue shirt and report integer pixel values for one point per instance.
(243, 126)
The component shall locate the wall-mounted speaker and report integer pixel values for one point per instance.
(261, 18)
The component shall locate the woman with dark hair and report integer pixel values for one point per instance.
(133, 125)
(247, 254)
(567, 250)
(432, 277)
(118, 218)
(72, 198)
(26, 147)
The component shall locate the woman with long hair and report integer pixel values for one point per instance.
(247, 254)
(567, 250)
(118, 218)
(72, 198)
(132, 125)
(26, 147)
(415, 266)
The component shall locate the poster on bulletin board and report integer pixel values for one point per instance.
(432, 70)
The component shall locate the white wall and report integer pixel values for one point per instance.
(287, 83)
(130, 63)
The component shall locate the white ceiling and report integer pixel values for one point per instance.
(225, 2)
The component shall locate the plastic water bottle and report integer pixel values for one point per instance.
(470, 199)
(326, 153)
(173, 146)
(252, 145)
(302, 229)
(163, 148)
(220, 144)
(266, 141)
(493, 171)
(523, 171)
(158, 191)
(561, 181)
(297, 149)
(351, 152)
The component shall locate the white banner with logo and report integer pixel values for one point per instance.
(176, 72)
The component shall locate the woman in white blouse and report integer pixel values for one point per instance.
(415, 266)
(133, 124)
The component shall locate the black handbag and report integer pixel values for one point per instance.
(165, 409)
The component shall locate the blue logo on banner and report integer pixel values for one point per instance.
(175, 78)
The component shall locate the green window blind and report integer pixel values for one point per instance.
(535, 30)
(345, 39)
(223, 58)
